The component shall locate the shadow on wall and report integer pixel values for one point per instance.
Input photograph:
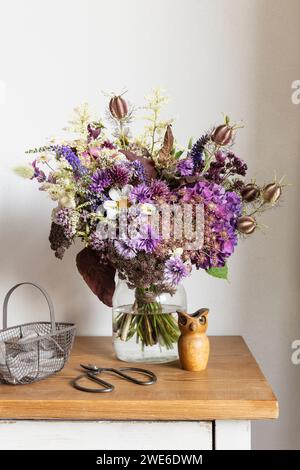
(73, 301)
(271, 298)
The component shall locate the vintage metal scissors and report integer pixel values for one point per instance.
(93, 372)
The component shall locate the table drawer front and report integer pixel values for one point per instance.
(106, 435)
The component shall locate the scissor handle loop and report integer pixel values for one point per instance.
(106, 386)
(128, 377)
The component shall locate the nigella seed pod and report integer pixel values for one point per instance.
(222, 135)
(271, 193)
(246, 224)
(250, 192)
(118, 107)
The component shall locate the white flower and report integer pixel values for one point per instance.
(177, 252)
(118, 199)
(147, 208)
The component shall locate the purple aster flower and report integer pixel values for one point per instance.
(159, 190)
(185, 167)
(125, 248)
(140, 194)
(120, 175)
(101, 179)
(147, 240)
(71, 157)
(175, 270)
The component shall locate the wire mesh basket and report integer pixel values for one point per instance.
(33, 351)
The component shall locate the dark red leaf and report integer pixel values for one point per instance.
(99, 277)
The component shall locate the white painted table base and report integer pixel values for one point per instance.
(109, 435)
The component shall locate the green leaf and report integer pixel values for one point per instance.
(179, 153)
(221, 273)
(190, 144)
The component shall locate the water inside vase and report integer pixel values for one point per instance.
(146, 337)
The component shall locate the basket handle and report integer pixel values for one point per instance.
(47, 297)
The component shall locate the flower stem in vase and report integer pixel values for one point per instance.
(148, 321)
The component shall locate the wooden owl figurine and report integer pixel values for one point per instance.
(193, 344)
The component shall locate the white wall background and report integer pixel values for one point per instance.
(236, 56)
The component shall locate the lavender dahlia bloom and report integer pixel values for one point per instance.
(147, 240)
(185, 167)
(101, 179)
(175, 270)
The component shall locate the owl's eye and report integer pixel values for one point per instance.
(182, 320)
(202, 320)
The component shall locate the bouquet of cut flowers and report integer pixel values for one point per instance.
(145, 207)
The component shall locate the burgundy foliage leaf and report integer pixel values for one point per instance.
(99, 277)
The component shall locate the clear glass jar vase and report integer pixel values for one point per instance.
(145, 327)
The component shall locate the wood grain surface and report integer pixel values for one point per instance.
(232, 387)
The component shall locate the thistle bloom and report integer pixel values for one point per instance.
(159, 190)
(140, 194)
(101, 179)
(120, 175)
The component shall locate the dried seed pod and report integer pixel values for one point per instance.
(271, 193)
(118, 107)
(168, 140)
(250, 192)
(164, 157)
(222, 135)
(246, 224)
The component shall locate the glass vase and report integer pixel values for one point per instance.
(145, 327)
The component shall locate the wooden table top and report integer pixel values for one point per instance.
(232, 387)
